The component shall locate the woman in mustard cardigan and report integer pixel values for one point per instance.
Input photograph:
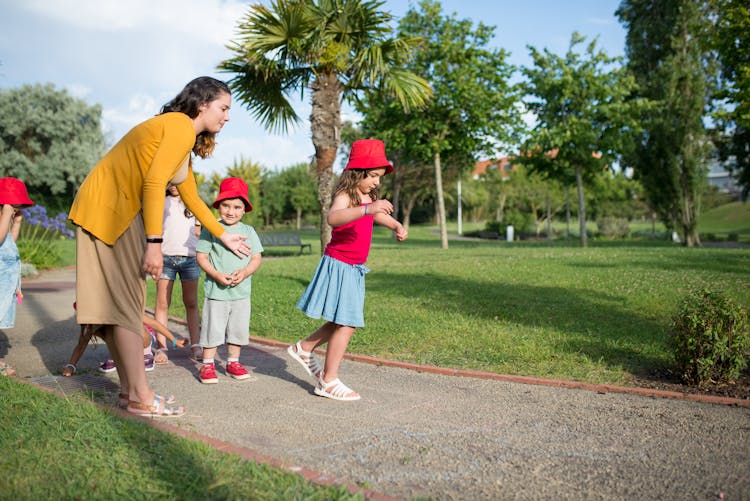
(118, 212)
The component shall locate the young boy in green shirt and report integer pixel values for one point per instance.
(226, 305)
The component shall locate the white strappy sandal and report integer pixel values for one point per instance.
(306, 359)
(336, 390)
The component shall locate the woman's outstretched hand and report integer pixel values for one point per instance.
(235, 243)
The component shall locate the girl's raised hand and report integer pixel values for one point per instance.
(380, 207)
(401, 233)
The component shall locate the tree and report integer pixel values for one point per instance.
(665, 46)
(473, 110)
(332, 48)
(50, 140)
(299, 187)
(581, 105)
(732, 41)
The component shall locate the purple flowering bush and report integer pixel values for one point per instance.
(36, 240)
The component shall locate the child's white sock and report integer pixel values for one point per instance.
(147, 351)
(207, 361)
(231, 359)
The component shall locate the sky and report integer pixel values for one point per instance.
(133, 56)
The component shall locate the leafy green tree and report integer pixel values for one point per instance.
(272, 192)
(299, 186)
(667, 53)
(331, 48)
(473, 110)
(50, 140)
(582, 111)
(731, 39)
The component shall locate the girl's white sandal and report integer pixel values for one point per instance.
(335, 390)
(306, 359)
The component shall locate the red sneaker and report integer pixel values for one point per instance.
(236, 370)
(208, 374)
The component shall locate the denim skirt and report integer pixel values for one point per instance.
(336, 293)
(10, 281)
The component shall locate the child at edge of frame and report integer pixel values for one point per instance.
(13, 198)
(226, 304)
(337, 290)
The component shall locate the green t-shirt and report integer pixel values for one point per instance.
(227, 261)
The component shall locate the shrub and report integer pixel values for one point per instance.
(521, 221)
(733, 237)
(711, 338)
(613, 227)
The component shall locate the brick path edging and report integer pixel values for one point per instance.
(557, 383)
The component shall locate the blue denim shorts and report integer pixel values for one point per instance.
(185, 266)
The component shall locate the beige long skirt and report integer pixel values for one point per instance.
(110, 283)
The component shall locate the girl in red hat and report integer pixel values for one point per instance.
(337, 290)
(13, 197)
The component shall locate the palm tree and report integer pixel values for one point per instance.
(332, 48)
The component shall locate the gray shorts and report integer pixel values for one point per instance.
(225, 321)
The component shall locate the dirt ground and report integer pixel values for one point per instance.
(667, 380)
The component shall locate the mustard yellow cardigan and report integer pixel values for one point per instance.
(133, 176)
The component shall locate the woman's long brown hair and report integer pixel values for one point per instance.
(198, 91)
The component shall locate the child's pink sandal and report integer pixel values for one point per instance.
(306, 359)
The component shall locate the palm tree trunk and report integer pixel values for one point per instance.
(581, 207)
(325, 127)
(440, 201)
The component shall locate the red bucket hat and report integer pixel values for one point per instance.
(368, 154)
(13, 192)
(233, 187)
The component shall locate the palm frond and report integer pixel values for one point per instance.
(264, 93)
(411, 90)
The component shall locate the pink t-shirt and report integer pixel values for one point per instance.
(350, 242)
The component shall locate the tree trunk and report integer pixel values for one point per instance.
(398, 175)
(299, 219)
(581, 208)
(325, 127)
(567, 212)
(688, 219)
(440, 201)
(407, 211)
(549, 217)
(501, 208)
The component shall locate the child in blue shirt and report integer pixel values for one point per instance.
(226, 305)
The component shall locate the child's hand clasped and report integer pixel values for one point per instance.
(238, 276)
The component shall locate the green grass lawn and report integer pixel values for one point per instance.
(554, 310)
(730, 218)
(68, 448)
(598, 314)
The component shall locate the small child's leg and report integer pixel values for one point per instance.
(83, 340)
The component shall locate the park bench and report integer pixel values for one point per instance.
(284, 240)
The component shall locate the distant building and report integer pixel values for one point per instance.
(502, 164)
(719, 176)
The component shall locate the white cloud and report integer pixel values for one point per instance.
(80, 91)
(212, 21)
